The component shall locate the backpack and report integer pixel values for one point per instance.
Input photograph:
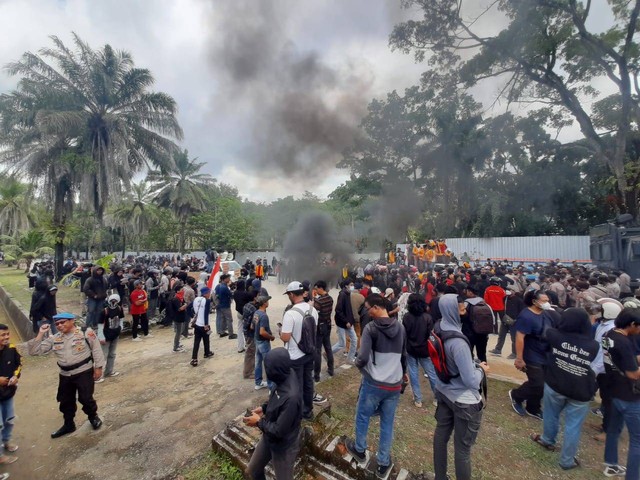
(307, 343)
(435, 344)
(481, 317)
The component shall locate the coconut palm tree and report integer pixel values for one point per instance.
(15, 206)
(102, 102)
(181, 189)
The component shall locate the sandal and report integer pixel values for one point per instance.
(538, 439)
(10, 447)
(194, 363)
(6, 460)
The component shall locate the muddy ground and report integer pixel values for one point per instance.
(159, 414)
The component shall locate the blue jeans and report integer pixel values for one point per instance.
(342, 341)
(574, 414)
(6, 422)
(624, 413)
(262, 348)
(429, 369)
(372, 398)
(94, 307)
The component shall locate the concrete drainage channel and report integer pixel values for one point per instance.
(322, 454)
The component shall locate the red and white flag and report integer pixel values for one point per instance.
(214, 272)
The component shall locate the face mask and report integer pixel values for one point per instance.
(545, 306)
(352, 288)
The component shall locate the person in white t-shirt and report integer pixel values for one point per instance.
(290, 334)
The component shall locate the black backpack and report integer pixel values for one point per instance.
(481, 317)
(307, 343)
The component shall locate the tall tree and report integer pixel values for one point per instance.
(102, 101)
(180, 188)
(135, 213)
(15, 206)
(546, 53)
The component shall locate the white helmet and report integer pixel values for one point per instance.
(113, 300)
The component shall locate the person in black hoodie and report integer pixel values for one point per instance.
(38, 300)
(10, 368)
(95, 288)
(418, 325)
(569, 383)
(345, 321)
(279, 420)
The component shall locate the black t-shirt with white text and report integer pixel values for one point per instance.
(619, 357)
(568, 370)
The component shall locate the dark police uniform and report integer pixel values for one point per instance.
(77, 353)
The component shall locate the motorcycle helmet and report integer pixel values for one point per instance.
(113, 301)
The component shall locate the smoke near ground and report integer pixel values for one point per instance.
(315, 249)
(304, 111)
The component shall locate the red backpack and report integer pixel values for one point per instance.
(435, 344)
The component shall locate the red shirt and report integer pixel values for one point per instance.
(494, 297)
(136, 296)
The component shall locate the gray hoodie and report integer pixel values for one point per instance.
(382, 355)
(464, 388)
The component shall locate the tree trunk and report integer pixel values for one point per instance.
(124, 244)
(183, 227)
(59, 225)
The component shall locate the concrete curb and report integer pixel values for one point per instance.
(18, 315)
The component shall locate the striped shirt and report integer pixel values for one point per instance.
(324, 305)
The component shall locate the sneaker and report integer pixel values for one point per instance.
(224, 334)
(178, 350)
(209, 355)
(100, 380)
(316, 379)
(434, 403)
(319, 399)
(383, 471)
(495, 352)
(241, 351)
(417, 404)
(511, 357)
(113, 374)
(614, 471)
(597, 412)
(359, 457)
(517, 406)
(233, 336)
(425, 375)
(260, 386)
(534, 415)
(137, 339)
(148, 335)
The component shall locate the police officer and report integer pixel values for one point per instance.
(80, 360)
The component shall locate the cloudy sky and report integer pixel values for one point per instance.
(242, 71)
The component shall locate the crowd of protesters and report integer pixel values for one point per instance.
(572, 330)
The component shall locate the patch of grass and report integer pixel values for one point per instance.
(15, 281)
(213, 466)
(503, 447)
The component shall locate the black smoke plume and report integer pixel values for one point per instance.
(315, 249)
(304, 111)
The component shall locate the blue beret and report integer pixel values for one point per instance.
(64, 316)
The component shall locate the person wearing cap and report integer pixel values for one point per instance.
(81, 361)
(224, 319)
(152, 286)
(610, 308)
(201, 328)
(10, 369)
(138, 309)
(263, 339)
(291, 335)
(569, 383)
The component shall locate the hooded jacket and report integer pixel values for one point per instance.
(280, 423)
(463, 388)
(568, 370)
(382, 356)
(344, 314)
(96, 285)
(38, 300)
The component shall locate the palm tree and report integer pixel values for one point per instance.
(181, 189)
(135, 212)
(101, 101)
(15, 206)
